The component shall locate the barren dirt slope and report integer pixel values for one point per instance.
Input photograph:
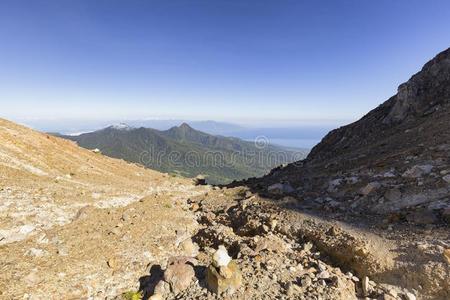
(47, 188)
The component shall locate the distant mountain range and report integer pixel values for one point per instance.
(289, 135)
(188, 152)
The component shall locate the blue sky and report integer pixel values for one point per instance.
(241, 61)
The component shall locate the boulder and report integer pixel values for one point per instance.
(179, 274)
(418, 171)
(218, 283)
(223, 275)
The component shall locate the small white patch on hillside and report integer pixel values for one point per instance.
(15, 163)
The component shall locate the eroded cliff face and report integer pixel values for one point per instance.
(388, 174)
(426, 93)
(401, 146)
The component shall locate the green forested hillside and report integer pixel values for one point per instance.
(187, 152)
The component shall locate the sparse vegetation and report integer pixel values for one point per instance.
(132, 295)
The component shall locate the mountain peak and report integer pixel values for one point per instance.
(185, 125)
(121, 126)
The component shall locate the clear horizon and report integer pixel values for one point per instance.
(252, 62)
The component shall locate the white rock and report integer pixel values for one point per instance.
(221, 257)
(26, 229)
(410, 296)
(35, 252)
(333, 184)
(446, 178)
(324, 275)
(365, 286)
(418, 171)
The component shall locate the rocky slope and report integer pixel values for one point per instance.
(59, 207)
(393, 160)
(388, 174)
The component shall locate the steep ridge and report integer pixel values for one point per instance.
(188, 152)
(403, 145)
(387, 174)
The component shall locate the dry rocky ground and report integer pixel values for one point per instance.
(78, 225)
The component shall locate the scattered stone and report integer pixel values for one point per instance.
(194, 207)
(223, 275)
(333, 184)
(446, 178)
(370, 188)
(365, 286)
(32, 278)
(220, 284)
(111, 263)
(26, 229)
(307, 246)
(447, 255)
(200, 180)
(189, 248)
(179, 274)
(221, 257)
(418, 171)
(323, 275)
(333, 231)
(273, 224)
(410, 296)
(306, 282)
(36, 252)
(271, 243)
